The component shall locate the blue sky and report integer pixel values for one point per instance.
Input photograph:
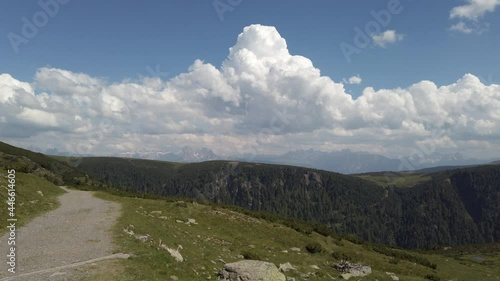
(119, 39)
(99, 77)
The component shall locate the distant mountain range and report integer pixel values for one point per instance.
(187, 154)
(343, 161)
(351, 162)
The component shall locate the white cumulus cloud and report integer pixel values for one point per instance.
(474, 9)
(262, 99)
(353, 80)
(387, 37)
(462, 27)
(470, 14)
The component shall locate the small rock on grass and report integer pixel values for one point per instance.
(286, 267)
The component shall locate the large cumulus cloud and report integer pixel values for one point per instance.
(261, 98)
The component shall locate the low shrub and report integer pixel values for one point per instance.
(394, 260)
(250, 255)
(314, 247)
(432, 277)
(341, 256)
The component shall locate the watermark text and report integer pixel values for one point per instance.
(11, 220)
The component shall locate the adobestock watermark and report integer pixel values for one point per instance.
(86, 146)
(422, 150)
(472, 105)
(415, 157)
(11, 220)
(426, 148)
(279, 121)
(156, 71)
(32, 25)
(489, 79)
(363, 37)
(223, 6)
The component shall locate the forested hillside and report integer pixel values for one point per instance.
(454, 207)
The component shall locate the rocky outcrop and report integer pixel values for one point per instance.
(348, 269)
(251, 270)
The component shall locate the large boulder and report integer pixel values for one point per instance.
(251, 270)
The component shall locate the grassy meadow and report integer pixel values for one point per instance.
(221, 235)
(34, 197)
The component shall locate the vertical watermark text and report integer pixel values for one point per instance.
(11, 220)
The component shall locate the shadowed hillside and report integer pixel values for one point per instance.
(438, 209)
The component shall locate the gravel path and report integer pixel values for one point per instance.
(77, 231)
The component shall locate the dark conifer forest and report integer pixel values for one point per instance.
(454, 207)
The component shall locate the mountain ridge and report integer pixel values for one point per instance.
(341, 161)
(432, 211)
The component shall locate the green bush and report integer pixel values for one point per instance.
(394, 260)
(341, 256)
(250, 255)
(314, 247)
(354, 239)
(432, 277)
(339, 242)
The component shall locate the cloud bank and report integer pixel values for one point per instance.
(261, 99)
(474, 9)
(470, 14)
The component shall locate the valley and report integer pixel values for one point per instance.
(217, 212)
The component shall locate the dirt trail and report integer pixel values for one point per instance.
(53, 245)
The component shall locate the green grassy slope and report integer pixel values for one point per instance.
(28, 161)
(34, 196)
(398, 179)
(222, 235)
